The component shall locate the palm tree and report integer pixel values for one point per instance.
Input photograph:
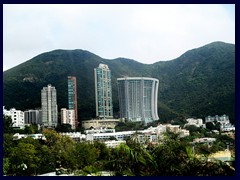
(169, 158)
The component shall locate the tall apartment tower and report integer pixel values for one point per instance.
(138, 99)
(103, 92)
(49, 106)
(72, 98)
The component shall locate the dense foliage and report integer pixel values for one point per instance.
(199, 83)
(172, 157)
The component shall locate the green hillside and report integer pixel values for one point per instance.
(201, 82)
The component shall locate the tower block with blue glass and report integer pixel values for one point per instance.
(103, 92)
(72, 98)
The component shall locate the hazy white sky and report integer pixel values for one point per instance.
(144, 32)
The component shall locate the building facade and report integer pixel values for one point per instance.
(32, 117)
(138, 99)
(196, 122)
(222, 119)
(17, 117)
(72, 98)
(103, 92)
(68, 117)
(100, 123)
(49, 106)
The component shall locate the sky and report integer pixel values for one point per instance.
(147, 33)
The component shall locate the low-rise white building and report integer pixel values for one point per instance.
(101, 130)
(98, 123)
(147, 137)
(161, 129)
(113, 143)
(204, 140)
(196, 122)
(173, 128)
(224, 119)
(120, 136)
(34, 136)
(184, 133)
(177, 130)
(227, 128)
(55, 174)
(76, 136)
(152, 134)
(19, 136)
(17, 117)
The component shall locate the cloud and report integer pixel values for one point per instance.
(146, 33)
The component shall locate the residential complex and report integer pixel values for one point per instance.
(151, 134)
(68, 117)
(100, 123)
(72, 98)
(103, 92)
(49, 106)
(138, 99)
(224, 121)
(196, 122)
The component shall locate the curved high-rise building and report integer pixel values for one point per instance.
(138, 99)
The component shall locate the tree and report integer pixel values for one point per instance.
(8, 144)
(218, 126)
(47, 160)
(80, 128)
(104, 151)
(51, 136)
(6, 165)
(192, 128)
(85, 154)
(172, 157)
(64, 149)
(29, 130)
(7, 124)
(64, 128)
(120, 160)
(210, 126)
(24, 160)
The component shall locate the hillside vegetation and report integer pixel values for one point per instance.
(199, 83)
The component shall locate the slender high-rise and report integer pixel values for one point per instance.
(49, 106)
(72, 98)
(138, 98)
(103, 92)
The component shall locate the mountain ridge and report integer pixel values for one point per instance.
(186, 83)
